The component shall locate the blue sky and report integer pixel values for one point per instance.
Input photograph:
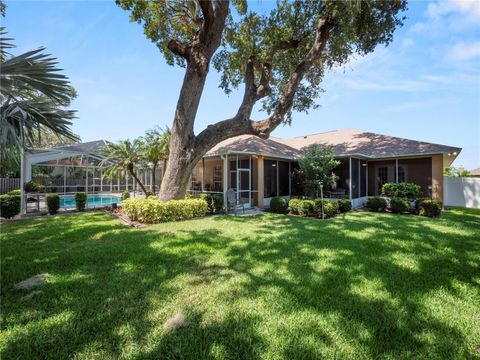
(425, 85)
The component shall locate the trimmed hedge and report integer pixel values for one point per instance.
(53, 203)
(152, 210)
(401, 190)
(330, 208)
(125, 195)
(399, 205)
(344, 205)
(278, 204)
(430, 208)
(418, 202)
(15, 192)
(214, 201)
(376, 203)
(9, 205)
(80, 201)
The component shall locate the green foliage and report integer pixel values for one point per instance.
(15, 192)
(124, 157)
(125, 194)
(278, 204)
(401, 190)
(330, 208)
(418, 202)
(430, 208)
(278, 39)
(214, 201)
(317, 165)
(376, 203)
(155, 148)
(344, 205)
(34, 96)
(152, 210)
(301, 207)
(80, 201)
(32, 186)
(53, 203)
(9, 205)
(399, 205)
(453, 171)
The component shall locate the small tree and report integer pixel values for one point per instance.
(155, 149)
(123, 157)
(317, 165)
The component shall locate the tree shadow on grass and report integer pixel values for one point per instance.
(113, 287)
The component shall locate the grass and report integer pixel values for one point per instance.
(362, 285)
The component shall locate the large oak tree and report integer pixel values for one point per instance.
(279, 58)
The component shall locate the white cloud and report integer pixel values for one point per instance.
(464, 51)
(446, 7)
(407, 42)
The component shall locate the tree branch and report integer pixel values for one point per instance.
(179, 48)
(240, 124)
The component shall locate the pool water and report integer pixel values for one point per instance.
(92, 200)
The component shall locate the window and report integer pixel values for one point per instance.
(382, 177)
(401, 174)
(283, 178)
(217, 178)
(270, 173)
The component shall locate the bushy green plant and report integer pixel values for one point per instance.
(9, 205)
(214, 201)
(430, 208)
(15, 192)
(330, 208)
(376, 203)
(278, 204)
(344, 205)
(418, 202)
(153, 210)
(53, 203)
(125, 195)
(294, 206)
(401, 190)
(399, 205)
(80, 201)
(32, 186)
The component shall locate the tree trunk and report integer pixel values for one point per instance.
(154, 188)
(132, 172)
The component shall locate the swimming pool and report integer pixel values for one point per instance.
(92, 200)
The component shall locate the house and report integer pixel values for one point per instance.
(258, 169)
(475, 172)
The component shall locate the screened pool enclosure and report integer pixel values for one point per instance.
(67, 170)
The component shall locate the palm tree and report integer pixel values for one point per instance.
(155, 149)
(123, 157)
(33, 95)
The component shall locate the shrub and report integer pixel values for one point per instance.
(376, 203)
(15, 192)
(294, 206)
(344, 205)
(330, 208)
(399, 205)
(125, 195)
(401, 190)
(418, 202)
(9, 205)
(80, 201)
(32, 186)
(214, 201)
(430, 208)
(53, 203)
(153, 210)
(278, 204)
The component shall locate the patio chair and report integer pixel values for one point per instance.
(233, 202)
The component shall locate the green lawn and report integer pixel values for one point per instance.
(358, 286)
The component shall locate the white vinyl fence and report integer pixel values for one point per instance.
(9, 184)
(462, 191)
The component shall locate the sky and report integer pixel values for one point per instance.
(424, 86)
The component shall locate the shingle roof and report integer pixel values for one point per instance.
(345, 142)
(255, 145)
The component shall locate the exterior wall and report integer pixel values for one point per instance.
(460, 191)
(437, 177)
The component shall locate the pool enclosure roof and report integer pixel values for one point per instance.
(89, 153)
